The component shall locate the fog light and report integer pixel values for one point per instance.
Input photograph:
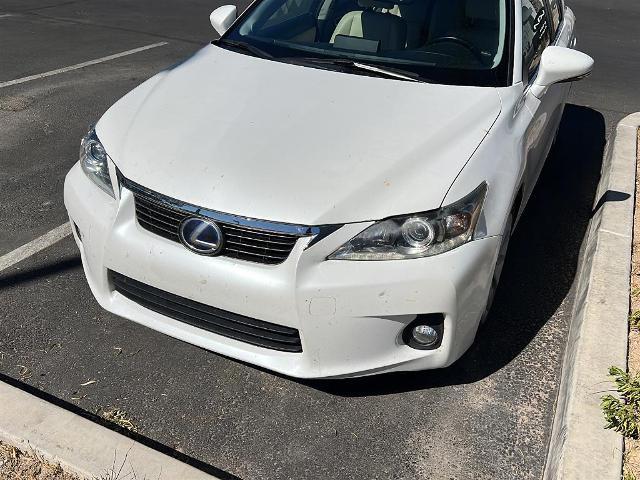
(425, 335)
(425, 332)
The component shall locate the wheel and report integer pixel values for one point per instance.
(502, 254)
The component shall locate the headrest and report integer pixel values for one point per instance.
(482, 10)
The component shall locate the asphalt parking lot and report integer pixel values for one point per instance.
(488, 416)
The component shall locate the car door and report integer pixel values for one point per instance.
(542, 25)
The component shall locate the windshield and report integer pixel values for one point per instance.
(443, 41)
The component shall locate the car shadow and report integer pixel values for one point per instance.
(56, 267)
(539, 270)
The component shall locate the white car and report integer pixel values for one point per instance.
(328, 190)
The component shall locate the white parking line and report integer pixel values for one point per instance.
(34, 246)
(80, 65)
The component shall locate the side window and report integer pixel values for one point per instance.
(535, 34)
(556, 15)
(288, 10)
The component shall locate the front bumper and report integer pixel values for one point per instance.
(350, 315)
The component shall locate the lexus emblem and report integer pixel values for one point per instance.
(201, 235)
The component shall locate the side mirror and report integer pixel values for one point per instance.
(560, 64)
(222, 18)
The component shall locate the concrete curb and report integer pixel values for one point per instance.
(580, 447)
(80, 445)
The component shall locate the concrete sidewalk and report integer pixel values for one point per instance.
(80, 445)
(580, 447)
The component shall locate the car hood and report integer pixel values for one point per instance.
(295, 144)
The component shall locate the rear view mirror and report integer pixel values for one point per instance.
(560, 64)
(222, 18)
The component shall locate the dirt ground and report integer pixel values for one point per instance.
(632, 447)
(16, 464)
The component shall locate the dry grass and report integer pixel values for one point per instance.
(16, 464)
(632, 447)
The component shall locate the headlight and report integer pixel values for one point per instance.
(93, 159)
(417, 235)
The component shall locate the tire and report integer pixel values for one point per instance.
(497, 271)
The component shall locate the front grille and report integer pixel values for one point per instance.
(221, 322)
(245, 243)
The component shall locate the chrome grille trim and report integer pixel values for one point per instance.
(254, 240)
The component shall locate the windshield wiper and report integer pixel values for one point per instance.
(247, 47)
(379, 70)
